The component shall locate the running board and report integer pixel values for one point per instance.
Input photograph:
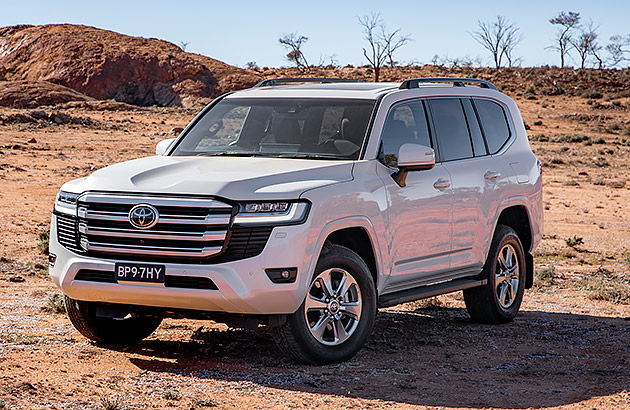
(409, 295)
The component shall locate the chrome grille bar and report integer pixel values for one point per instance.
(153, 234)
(222, 219)
(161, 251)
(154, 200)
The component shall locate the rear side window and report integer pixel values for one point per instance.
(479, 147)
(451, 128)
(494, 124)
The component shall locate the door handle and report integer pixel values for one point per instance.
(441, 183)
(490, 175)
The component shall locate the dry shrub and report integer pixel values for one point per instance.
(621, 183)
(603, 284)
(544, 276)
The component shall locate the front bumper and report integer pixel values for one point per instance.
(243, 286)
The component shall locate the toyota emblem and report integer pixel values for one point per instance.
(143, 216)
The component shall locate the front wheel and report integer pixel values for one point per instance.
(500, 299)
(338, 313)
(108, 330)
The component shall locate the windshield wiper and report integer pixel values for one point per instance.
(311, 156)
(232, 154)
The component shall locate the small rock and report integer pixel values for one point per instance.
(39, 115)
(32, 141)
(176, 130)
(16, 279)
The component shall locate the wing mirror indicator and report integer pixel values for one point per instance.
(413, 157)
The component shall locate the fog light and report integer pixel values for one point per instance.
(282, 275)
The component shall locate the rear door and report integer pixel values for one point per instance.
(476, 180)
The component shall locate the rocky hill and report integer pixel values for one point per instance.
(107, 65)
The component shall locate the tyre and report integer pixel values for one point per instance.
(500, 299)
(108, 330)
(338, 313)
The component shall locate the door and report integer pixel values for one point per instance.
(419, 214)
(475, 181)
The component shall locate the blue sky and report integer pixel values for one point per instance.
(240, 31)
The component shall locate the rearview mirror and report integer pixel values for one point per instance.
(162, 147)
(413, 157)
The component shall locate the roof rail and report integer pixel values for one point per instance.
(457, 82)
(271, 82)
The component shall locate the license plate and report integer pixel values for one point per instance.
(139, 272)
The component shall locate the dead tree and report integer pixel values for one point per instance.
(293, 43)
(586, 45)
(500, 37)
(382, 43)
(377, 54)
(567, 22)
(618, 47)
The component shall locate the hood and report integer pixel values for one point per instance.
(237, 178)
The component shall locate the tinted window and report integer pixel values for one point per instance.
(451, 129)
(479, 147)
(405, 124)
(494, 124)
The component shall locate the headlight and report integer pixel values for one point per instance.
(66, 203)
(272, 213)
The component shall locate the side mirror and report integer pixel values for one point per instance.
(413, 157)
(162, 147)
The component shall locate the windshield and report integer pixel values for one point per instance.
(280, 127)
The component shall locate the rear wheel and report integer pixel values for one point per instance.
(500, 299)
(108, 330)
(338, 313)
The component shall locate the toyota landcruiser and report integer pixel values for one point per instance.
(305, 208)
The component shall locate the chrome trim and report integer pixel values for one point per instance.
(143, 250)
(220, 219)
(155, 201)
(167, 235)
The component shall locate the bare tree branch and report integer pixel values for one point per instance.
(393, 41)
(586, 44)
(618, 47)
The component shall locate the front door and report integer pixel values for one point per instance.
(419, 213)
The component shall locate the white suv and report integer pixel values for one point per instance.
(305, 208)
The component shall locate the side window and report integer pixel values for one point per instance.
(451, 129)
(494, 124)
(406, 124)
(479, 147)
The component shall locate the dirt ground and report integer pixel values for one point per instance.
(569, 348)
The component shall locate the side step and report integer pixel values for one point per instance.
(409, 295)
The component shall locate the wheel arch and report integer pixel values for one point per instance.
(357, 234)
(358, 240)
(517, 218)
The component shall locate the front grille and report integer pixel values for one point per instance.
(186, 228)
(170, 281)
(91, 275)
(189, 230)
